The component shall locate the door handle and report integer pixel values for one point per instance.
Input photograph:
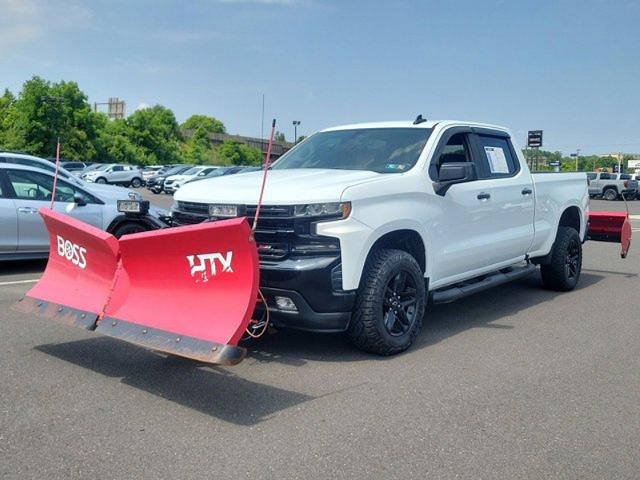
(527, 191)
(27, 210)
(484, 196)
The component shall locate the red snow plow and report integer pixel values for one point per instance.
(188, 291)
(611, 227)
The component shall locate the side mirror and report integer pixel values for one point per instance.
(79, 200)
(452, 173)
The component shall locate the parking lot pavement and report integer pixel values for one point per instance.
(516, 382)
(161, 200)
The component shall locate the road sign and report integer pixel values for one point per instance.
(554, 164)
(534, 138)
(633, 164)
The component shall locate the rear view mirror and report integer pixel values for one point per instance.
(452, 173)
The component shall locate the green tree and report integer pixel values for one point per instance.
(197, 148)
(116, 145)
(204, 122)
(7, 101)
(279, 136)
(236, 153)
(45, 111)
(155, 133)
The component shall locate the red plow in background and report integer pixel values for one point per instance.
(189, 291)
(611, 227)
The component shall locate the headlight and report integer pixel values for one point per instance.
(337, 209)
(224, 211)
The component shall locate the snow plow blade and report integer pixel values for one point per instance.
(189, 291)
(79, 275)
(610, 227)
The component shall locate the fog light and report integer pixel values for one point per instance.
(285, 303)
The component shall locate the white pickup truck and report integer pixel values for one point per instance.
(363, 224)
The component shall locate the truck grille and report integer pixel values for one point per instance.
(277, 232)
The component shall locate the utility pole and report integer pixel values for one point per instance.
(295, 131)
(577, 157)
(619, 162)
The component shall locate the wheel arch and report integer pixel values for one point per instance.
(405, 239)
(571, 217)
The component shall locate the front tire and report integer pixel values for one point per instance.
(127, 228)
(563, 272)
(136, 182)
(101, 180)
(390, 303)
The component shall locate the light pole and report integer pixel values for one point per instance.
(295, 131)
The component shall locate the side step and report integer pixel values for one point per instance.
(460, 290)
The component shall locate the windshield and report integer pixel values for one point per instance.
(174, 170)
(383, 150)
(192, 171)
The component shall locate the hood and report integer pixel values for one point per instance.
(284, 187)
(109, 193)
(177, 178)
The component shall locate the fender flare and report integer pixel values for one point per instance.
(394, 226)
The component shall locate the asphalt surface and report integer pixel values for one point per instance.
(517, 382)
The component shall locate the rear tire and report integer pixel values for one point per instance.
(390, 303)
(127, 228)
(610, 194)
(563, 272)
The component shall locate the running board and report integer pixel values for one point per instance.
(460, 290)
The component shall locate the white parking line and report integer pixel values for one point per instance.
(634, 217)
(18, 282)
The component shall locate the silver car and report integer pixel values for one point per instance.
(23, 190)
(116, 174)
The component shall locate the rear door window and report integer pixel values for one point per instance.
(498, 156)
(605, 176)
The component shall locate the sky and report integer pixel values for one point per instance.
(570, 68)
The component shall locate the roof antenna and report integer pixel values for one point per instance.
(419, 120)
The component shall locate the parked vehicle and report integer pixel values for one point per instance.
(117, 175)
(150, 171)
(73, 166)
(173, 182)
(369, 219)
(611, 186)
(156, 183)
(218, 172)
(24, 190)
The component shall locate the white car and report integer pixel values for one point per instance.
(115, 174)
(23, 190)
(174, 182)
(363, 224)
(150, 171)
